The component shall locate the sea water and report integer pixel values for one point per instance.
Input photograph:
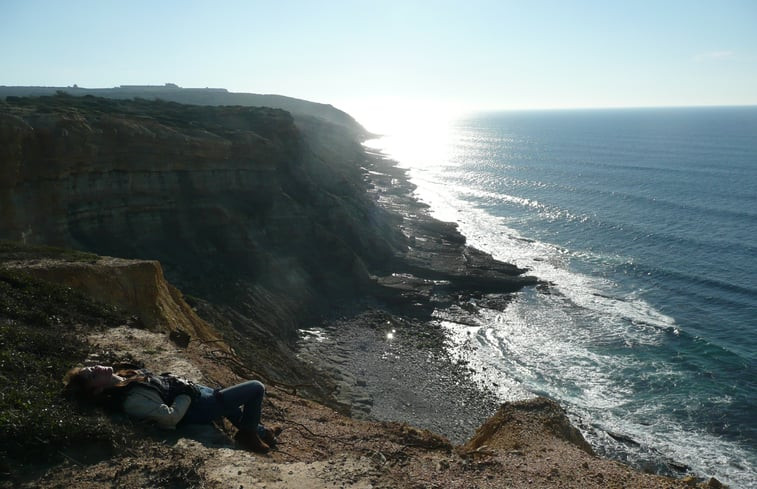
(644, 224)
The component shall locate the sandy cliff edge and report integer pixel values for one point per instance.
(136, 286)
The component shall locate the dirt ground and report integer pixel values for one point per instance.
(320, 448)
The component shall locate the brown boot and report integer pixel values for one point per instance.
(249, 440)
(270, 435)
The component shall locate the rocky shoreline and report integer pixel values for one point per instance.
(406, 378)
(388, 357)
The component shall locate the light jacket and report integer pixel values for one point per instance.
(145, 403)
(162, 398)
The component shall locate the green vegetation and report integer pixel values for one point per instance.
(13, 250)
(41, 329)
(265, 121)
(39, 303)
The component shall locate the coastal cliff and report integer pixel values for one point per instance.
(176, 183)
(216, 194)
(302, 110)
(265, 219)
(268, 222)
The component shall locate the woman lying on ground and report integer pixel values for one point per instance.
(168, 400)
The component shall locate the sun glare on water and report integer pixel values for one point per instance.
(415, 134)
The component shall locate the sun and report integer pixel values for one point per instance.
(415, 133)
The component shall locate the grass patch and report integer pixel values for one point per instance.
(41, 337)
(33, 301)
(14, 250)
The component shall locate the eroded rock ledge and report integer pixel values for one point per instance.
(135, 286)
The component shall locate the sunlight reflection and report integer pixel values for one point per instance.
(415, 134)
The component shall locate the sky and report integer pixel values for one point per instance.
(365, 56)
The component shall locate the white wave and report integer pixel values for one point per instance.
(534, 347)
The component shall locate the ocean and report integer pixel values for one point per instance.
(644, 224)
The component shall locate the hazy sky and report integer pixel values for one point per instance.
(470, 53)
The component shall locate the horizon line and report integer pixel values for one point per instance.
(613, 107)
(174, 86)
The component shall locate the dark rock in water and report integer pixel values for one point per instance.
(678, 467)
(462, 268)
(404, 286)
(623, 438)
(544, 288)
(713, 483)
(495, 301)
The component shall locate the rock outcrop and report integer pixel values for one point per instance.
(135, 286)
(524, 425)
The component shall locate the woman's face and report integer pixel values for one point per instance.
(98, 377)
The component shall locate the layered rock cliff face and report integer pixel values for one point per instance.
(266, 220)
(241, 205)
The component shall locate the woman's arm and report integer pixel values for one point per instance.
(145, 403)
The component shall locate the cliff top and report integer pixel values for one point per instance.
(204, 96)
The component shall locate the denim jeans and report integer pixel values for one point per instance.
(241, 404)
